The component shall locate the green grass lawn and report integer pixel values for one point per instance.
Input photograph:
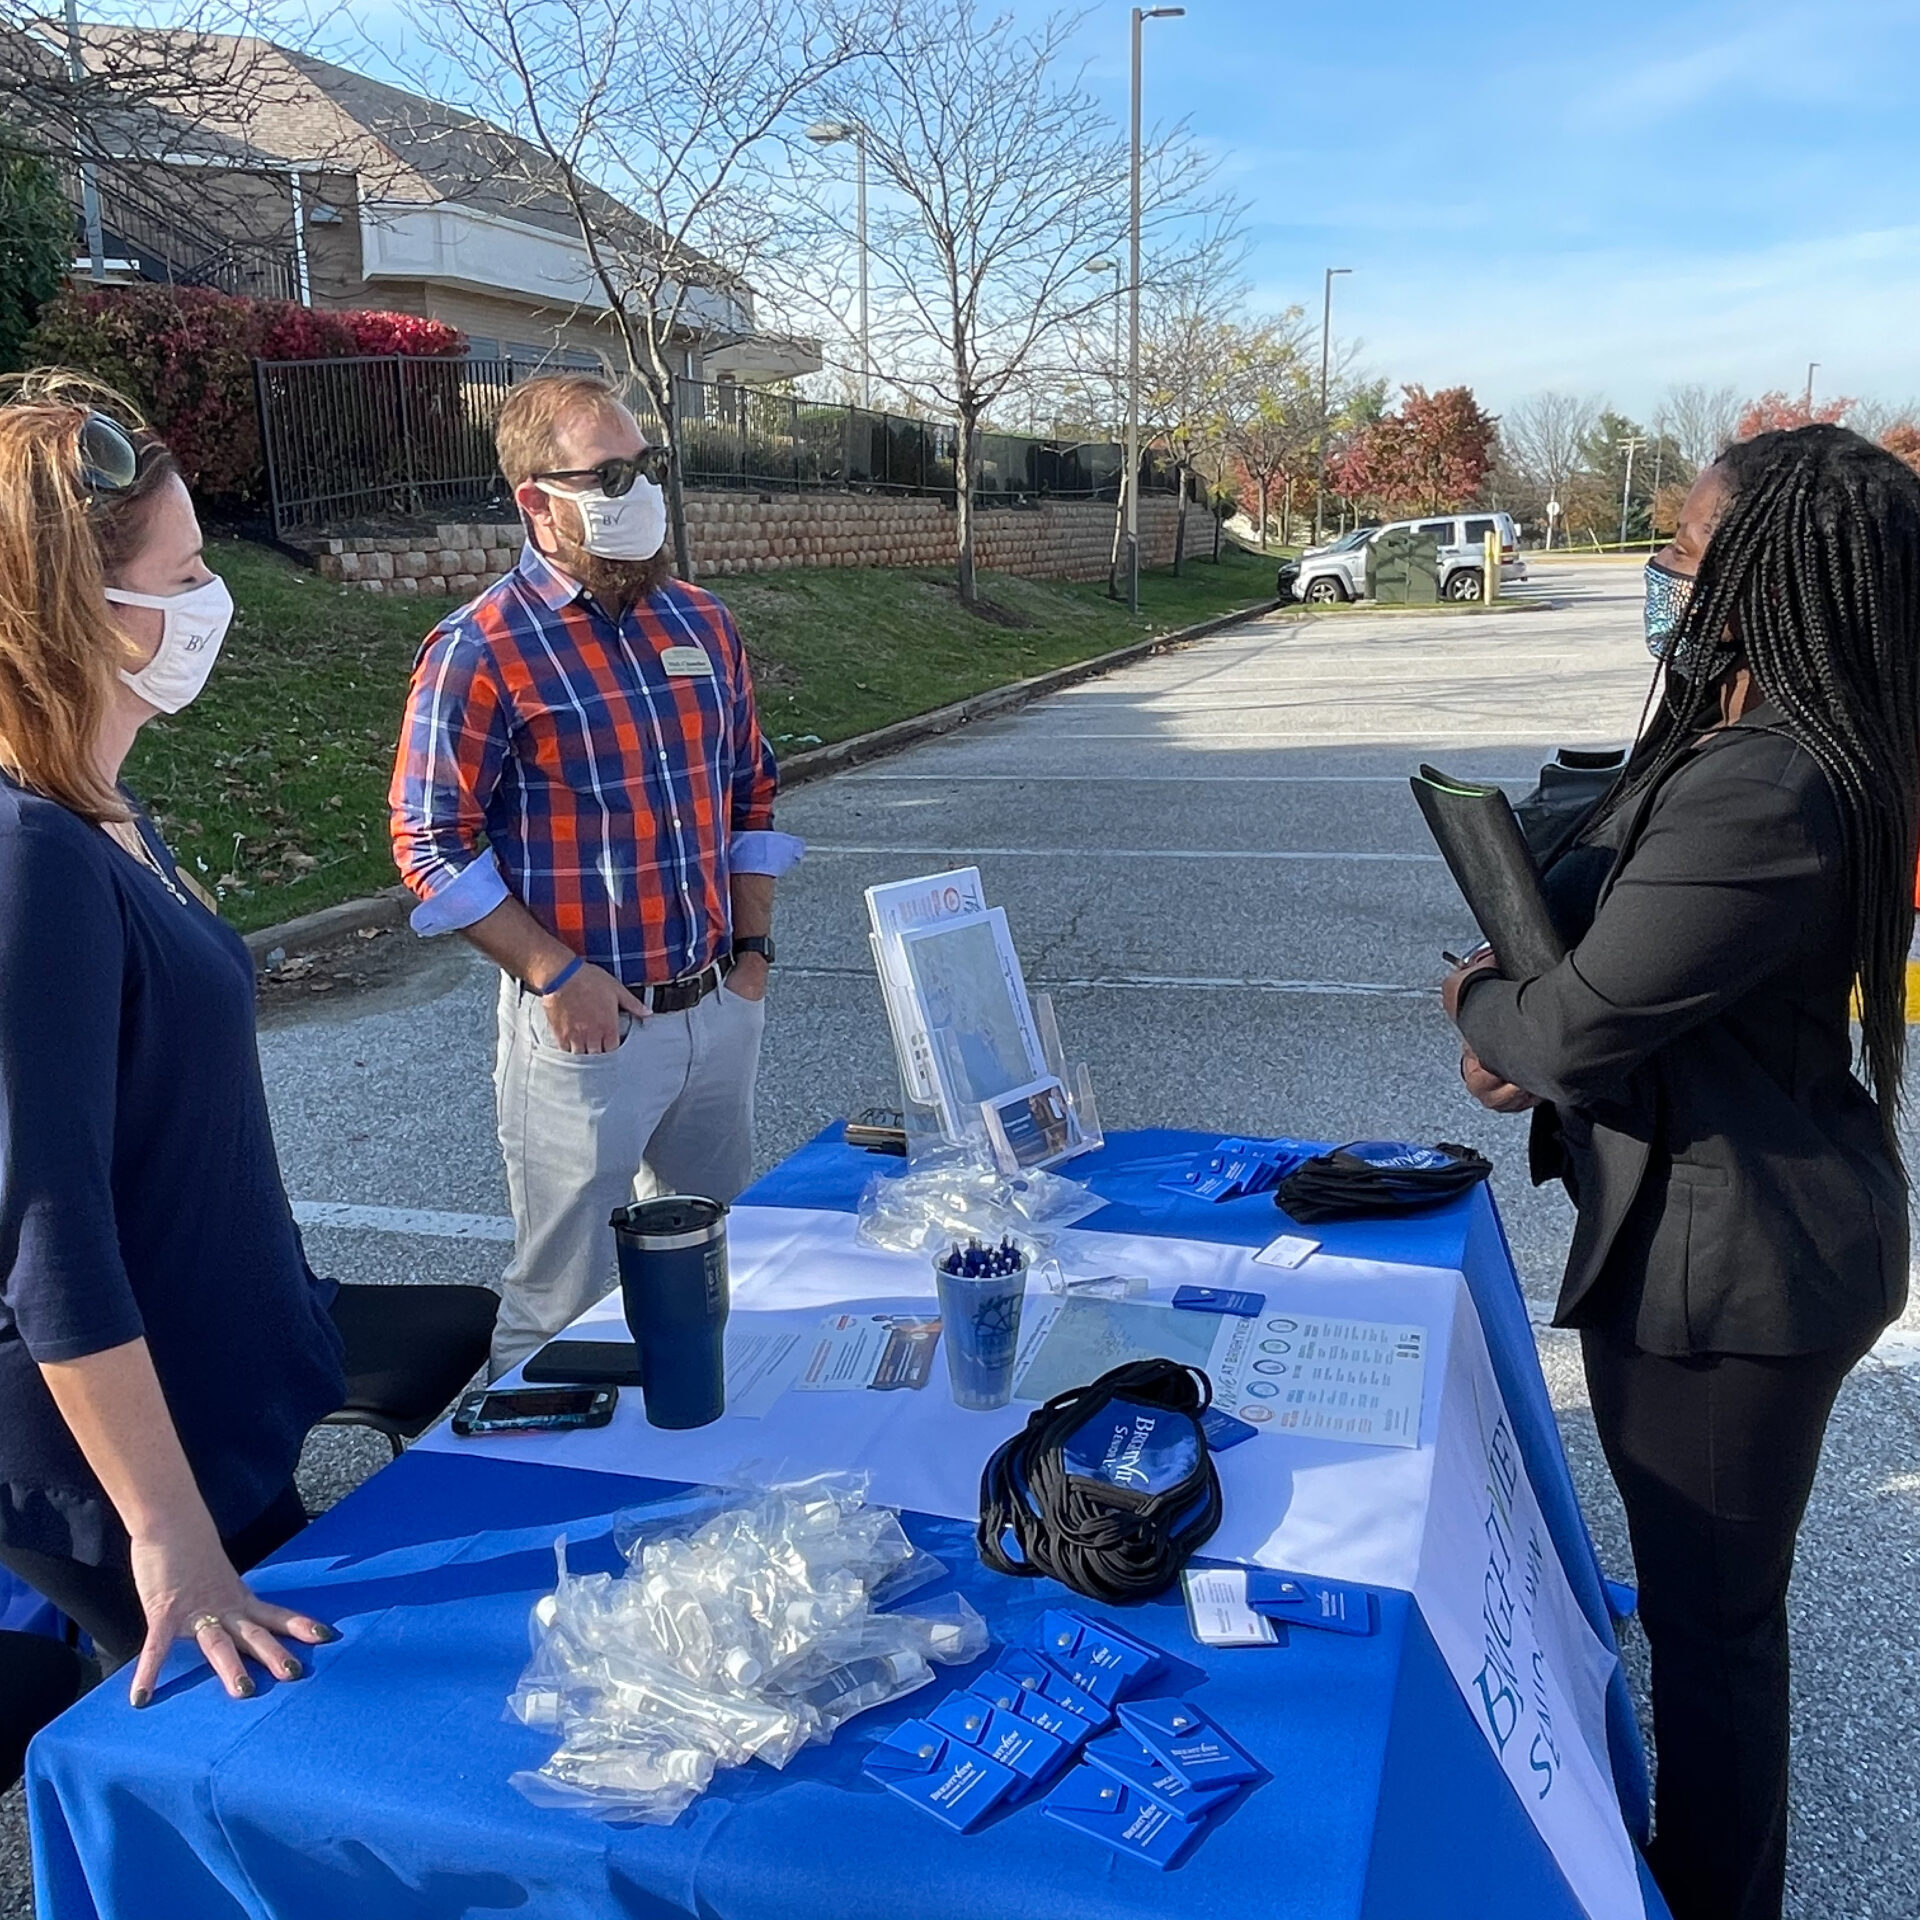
(272, 786)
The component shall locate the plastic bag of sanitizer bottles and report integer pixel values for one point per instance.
(740, 1630)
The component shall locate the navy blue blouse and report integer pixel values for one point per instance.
(139, 1190)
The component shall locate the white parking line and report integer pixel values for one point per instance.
(1178, 779)
(423, 1222)
(969, 855)
(1227, 742)
(1160, 982)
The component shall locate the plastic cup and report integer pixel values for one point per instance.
(980, 1320)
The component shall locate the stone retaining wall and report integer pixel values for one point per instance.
(749, 533)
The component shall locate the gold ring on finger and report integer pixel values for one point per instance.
(201, 1622)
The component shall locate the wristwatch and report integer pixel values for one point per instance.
(759, 943)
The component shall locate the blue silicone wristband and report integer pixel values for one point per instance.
(561, 978)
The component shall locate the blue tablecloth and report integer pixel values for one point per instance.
(378, 1787)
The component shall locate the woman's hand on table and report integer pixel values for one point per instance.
(1493, 1093)
(190, 1591)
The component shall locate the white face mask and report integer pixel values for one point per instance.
(631, 527)
(192, 627)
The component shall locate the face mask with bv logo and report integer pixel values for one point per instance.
(193, 625)
(627, 526)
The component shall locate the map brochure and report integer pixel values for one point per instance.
(970, 1000)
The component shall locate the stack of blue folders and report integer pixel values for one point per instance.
(1236, 1168)
(1141, 1774)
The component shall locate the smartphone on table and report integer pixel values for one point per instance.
(533, 1409)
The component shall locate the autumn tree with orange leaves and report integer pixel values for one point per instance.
(1430, 456)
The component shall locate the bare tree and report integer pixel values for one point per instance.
(1701, 420)
(1877, 418)
(1000, 180)
(1543, 438)
(117, 89)
(148, 129)
(660, 129)
(1273, 409)
(1192, 362)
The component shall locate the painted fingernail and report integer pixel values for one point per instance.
(143, 1696)
(293, 1670)
(323, 1635)
(244, 1689)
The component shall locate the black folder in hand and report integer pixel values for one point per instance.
(1480, 840)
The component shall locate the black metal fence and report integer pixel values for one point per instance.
(356, 440)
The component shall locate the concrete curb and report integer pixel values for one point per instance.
(1440, 609)
(387, 908)
(817, 762)
(390, 907)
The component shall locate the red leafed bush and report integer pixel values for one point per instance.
(184, 356)
(404, 333)
(305, 333)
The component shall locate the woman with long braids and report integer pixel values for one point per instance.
(1742, 1212)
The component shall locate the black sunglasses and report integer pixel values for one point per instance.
(109, 461)
(616, 476)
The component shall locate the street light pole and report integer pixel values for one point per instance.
(866, 337)
(1116, 419)
(89, 176)
(827, 133)
(1811, 365)
(1105, 265)
(1659, 461)
(1633, 443)
(1130, 480)
(1320, 455)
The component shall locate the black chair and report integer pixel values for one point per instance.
(39, 1679)
(410, 1351)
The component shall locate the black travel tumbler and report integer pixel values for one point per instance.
(673, 1277)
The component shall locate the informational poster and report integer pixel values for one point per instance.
(897, 909)
(1358, 1381)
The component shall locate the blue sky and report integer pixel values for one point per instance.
(1605, 199)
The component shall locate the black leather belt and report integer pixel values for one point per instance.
(677, 996)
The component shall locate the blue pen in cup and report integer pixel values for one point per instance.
(981, 1288)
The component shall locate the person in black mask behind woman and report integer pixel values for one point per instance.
(1742, 1222)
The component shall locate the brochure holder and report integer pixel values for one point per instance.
(981, 1063)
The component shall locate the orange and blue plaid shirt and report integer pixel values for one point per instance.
(609, 767)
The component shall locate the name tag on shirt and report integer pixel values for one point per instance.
(687, 663)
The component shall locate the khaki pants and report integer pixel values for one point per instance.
(669, 1111)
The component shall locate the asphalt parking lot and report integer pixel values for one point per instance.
(1212, 861)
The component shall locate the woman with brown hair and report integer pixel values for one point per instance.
(163, 1345)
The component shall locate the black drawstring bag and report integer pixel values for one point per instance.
(1109, 1489)
(1572, 785)
(1374, 1177)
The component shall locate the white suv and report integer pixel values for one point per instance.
(1339, 572)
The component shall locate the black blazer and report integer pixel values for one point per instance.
(1735, 1190)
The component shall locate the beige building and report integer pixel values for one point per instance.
(269, 172)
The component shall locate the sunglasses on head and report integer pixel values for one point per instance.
(109, 461)
(616, 476)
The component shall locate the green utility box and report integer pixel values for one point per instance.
(1403, 568)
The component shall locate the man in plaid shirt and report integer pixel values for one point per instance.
(582, 789)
